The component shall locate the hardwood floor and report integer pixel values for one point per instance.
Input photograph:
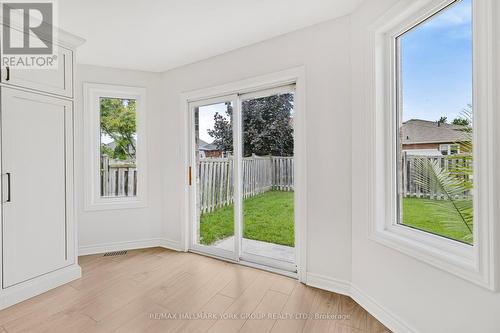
(143, 290)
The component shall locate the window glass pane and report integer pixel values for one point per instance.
(118, 120)
(435, 124)
(214, 175)
(268, 177)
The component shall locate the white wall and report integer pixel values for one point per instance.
(426, 298)
(324, 51)
(126, 228)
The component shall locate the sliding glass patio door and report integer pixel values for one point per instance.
(267, 147)
(212, 177)
(242, 177)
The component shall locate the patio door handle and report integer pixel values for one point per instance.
(190, 177)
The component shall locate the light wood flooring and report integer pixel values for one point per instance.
(143, 290)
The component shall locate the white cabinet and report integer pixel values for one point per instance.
(36, 145)
(57, 81)
(37, 224)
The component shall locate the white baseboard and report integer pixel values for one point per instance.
(343, 287)
(129, 245)
(171, 244)
(41, 284)
(385, 316)
(324, 282)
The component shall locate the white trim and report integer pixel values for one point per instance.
(327, 283)
(41, 284)
(267, 268)
(281, 265)
(129, 245)
(284, 89)
(448, 147)
(382, 314)
(238, 176)
(91, 94)
(193, 241)
(344, 287)
(473, 263)
(290, 76)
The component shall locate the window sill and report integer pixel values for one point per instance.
(116, 203)
(446, 254)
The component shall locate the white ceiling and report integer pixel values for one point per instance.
(157, 35)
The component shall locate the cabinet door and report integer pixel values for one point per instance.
(55, 81)
(36, 147)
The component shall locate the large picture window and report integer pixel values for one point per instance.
(432, 157)
(435, 124)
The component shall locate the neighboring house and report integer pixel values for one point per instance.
(423, 137)
(208, 149)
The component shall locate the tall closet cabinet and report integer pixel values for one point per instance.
(38, 233)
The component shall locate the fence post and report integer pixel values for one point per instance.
(104, 175)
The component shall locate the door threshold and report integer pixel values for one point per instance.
(274, 270)
(280, 271)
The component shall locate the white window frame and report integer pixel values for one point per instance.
(448, 148)
(475, 263)
(92, 92)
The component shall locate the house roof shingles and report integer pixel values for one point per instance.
(424, 131)
(203, 145)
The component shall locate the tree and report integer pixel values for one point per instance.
(267, 126)
(443, 120)
(465, 119)
(223, 131)
(118, 121)
(460, 121)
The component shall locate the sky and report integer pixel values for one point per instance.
(206, 119)
(436, 61)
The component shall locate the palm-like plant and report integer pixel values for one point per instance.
(453, 185)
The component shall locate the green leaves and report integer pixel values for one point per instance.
(118, 121)
(267, 126)
(452, 182)
(453, 188)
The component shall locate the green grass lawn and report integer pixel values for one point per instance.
(267, 217)
(438, 218)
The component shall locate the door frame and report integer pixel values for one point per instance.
(295, 76)
(193, 217)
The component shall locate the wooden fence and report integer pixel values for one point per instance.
(260, 174)
(118, 179)
(411, 172)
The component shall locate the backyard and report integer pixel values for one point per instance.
(267, 217)
(437, 217)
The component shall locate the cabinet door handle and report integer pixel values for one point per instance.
(6, 186)
(7, 77)
(9, 199)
